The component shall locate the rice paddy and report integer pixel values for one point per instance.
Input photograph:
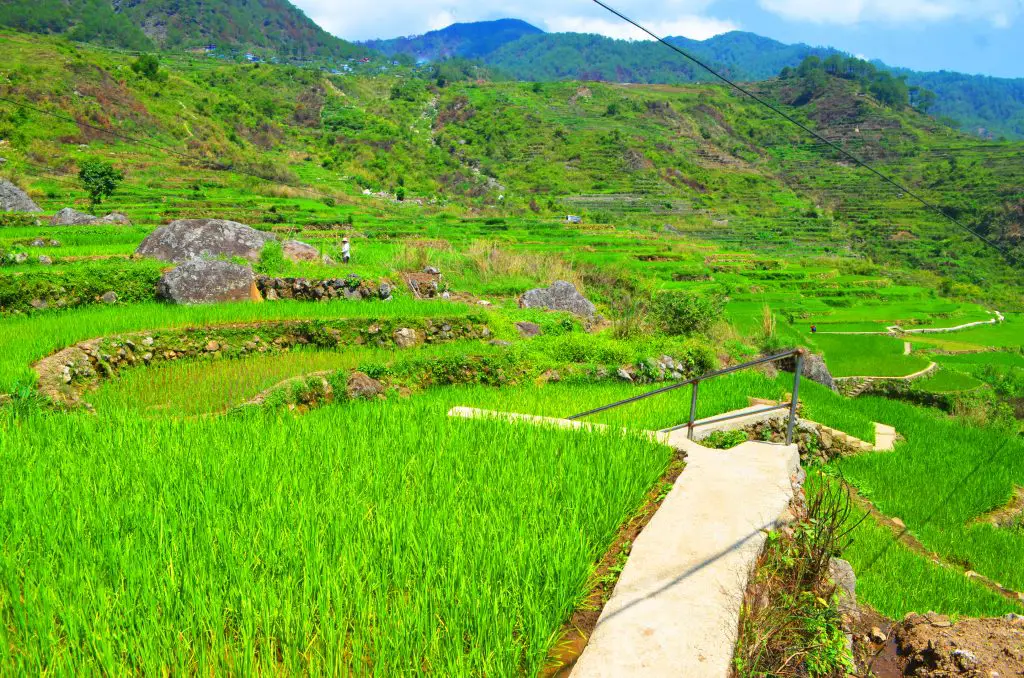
(373, 538)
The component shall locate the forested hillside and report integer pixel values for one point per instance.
(469, 40)
(273, 25)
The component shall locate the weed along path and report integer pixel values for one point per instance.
(675, 608)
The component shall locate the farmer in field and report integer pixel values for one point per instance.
(346, 251)
(814, 328)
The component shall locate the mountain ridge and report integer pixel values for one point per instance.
(980, 104)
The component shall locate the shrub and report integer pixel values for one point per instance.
(685, 312)
(271, 259)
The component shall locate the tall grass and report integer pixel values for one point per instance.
(370, 538)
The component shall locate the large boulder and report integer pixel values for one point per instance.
(187, 239)
(13, 199)
(294, 250)
(814, 368)
(72, 217)
(203, 281)
(561, 296)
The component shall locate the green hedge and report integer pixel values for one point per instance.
(78, 286)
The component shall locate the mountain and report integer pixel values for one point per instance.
(273, 25)
(469, 40)
(981, 105)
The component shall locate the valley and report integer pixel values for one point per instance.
(273, 483)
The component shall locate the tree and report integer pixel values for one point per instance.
(100, 179)
(148, 66)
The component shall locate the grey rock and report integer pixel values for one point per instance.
(561, 296)
(17, 257)
(406, 338)
(13, 199)
(115, 218)
(432, 270)
(45, 260)
(206, 281)
(72, 217)
(385, 291)
(624, 375)
(965, 659)
(528, 329)
(845, 579)
(814, 368)
(363, 386)
(187, 239)
(297, 251)
(109, 298)
(38, 304)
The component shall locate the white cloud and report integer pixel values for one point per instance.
(390, 18)
(998, 12)
(689, 26)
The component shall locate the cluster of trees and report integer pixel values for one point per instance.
(887, 88)
(84, 21)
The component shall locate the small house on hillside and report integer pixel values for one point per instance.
(573, 219)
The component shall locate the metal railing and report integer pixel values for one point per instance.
(692, 422)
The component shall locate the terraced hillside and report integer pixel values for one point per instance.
(696, 160)
(277, 487)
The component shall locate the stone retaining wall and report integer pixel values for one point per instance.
(351, 287)
(66, 375)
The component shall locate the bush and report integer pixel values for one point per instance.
(685, 312)
(79, 286)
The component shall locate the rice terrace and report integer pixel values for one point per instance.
(333, 358)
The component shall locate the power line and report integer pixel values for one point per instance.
(1010, 257)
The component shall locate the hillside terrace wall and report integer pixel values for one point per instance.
(66, 375)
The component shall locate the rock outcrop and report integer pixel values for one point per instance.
(203, 281)
(294, 250)
(561, 296)
(814, 368)
(13, 199)
(72, 217)
(186, 239)
(115, 218)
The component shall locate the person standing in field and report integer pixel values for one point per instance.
(346, 251)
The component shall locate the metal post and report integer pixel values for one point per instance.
(693, 409)
(796, 397)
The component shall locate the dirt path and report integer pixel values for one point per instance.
(909, 377)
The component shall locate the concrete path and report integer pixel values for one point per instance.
(885, 438)
(675, 609)
(908, 348)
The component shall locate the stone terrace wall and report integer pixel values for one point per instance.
(350, 287)
(66, 375)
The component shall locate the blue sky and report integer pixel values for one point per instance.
(973, 36)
